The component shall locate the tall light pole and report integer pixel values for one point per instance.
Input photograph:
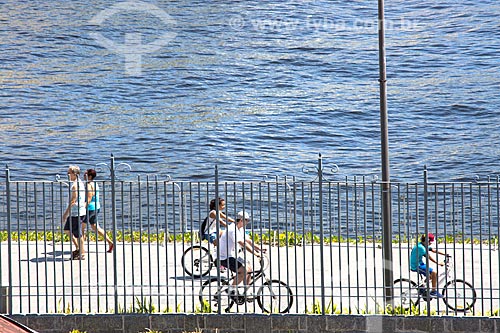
(384, 136)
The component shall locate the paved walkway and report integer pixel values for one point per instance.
(349, 276)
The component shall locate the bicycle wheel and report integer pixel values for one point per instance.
(212, 294)
(197, 261)
(459, 295)
(275, 296)
(406, 294)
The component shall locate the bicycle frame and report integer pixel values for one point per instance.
(443, 276)
(269, 294)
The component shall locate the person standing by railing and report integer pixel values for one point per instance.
(75, 212)
(93, 206)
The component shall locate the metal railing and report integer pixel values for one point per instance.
(324, 240)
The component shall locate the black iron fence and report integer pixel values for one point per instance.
(323, 239)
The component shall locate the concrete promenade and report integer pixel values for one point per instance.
(140, 276)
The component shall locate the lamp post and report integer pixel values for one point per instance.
(384, 136)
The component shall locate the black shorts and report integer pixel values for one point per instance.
(233, 264)
(76, 226)
(91, 217)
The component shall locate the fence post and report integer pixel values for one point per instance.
(6, 292)
(321, 236)
(426, 233)
(219, 306)
(113, 218)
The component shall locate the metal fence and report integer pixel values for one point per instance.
(323, 238)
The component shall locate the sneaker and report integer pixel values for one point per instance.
(436, 294)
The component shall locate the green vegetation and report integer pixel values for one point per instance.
(267, 237)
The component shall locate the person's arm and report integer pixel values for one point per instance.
(432, 259)
(226, 218)
(255, 247)
(223, 219)
(74, 197)
(248, 246)
(437, 252)
(90, 193)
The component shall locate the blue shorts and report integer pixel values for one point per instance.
(91, 217)
(210, 237)
(422, 269)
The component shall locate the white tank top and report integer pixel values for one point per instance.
(79, 208)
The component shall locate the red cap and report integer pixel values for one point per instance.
(430, 237)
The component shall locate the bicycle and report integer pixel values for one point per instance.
(272, 295)
(197, 261)
(458, 295)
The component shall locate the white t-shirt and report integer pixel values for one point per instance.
(212, 223)
(229, 241)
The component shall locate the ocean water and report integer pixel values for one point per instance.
(258, 88)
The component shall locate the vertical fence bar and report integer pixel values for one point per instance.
(339, 237)
(348, 247)
(113, 220)
(296, 272)
(471, 218)
(356, 249)
(489, 245)
(480, 220)
(216, 176)
(8, 290)
(497, 188)
(426, 233)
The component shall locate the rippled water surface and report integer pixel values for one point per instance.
(256, 87)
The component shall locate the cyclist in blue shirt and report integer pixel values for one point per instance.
(417, 264)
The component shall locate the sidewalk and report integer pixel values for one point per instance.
(135, 276)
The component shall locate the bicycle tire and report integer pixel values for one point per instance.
(197, 261)
(212, 294)
(275, 293)
(405, 294)
(459, 295)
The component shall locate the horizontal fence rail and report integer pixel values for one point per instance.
(153, 222)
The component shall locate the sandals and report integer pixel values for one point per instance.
(79, 257)
(75, 255)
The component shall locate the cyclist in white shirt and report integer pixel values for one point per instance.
(231, 239)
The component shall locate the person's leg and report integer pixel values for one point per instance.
(100, 231)
(434, 280)
(73, 239)
(67, 231)
(81, 248)
(242, 272)
(84, 226)
(237, 267)
(77, 230)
